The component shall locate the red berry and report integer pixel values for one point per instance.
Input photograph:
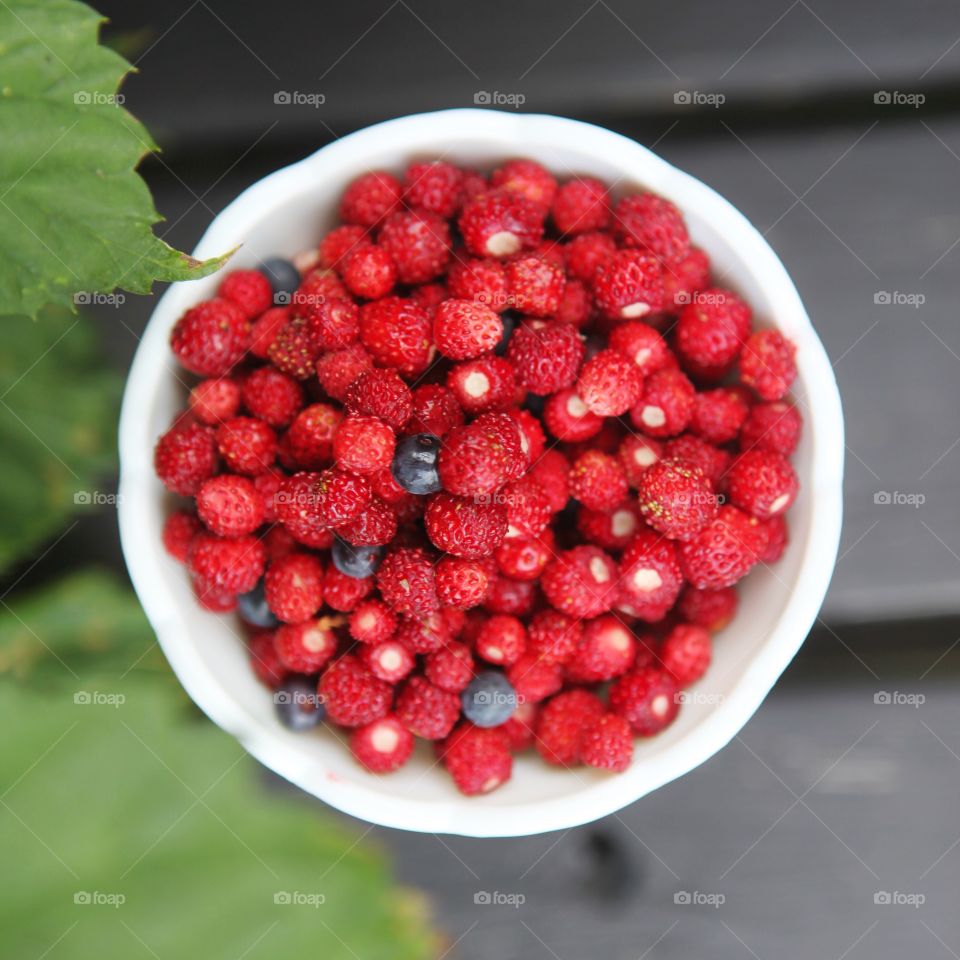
(294, 349)
(339, 368)
(676, 499)
(517, 730)
(184, 457)
(643, 345)
(628, 285)
(486, 383)
(480, 457)
(435, 411)
(211, 338)
(340, 242)
(712, 609)
(418, 242)
(179, 529)
(647, 699)
(561, 724)
(771, 426)
(213, 401)
(718, 415)
(637, 454)
(478, 759)
(683, 279)
(424, 634)
(335, 324)
(375, 526)
(383, 745)
(465, 527)
(228, 565)
(363, 444)
(546, 356)
(369, 272)
(650, 576)
(352, 695)
(528, 179)
(264, 660)
(685, 653)
(647, 221)
(318, 287)
(581, 582)
(370, 198)
(450, 668)
(247, 445)
(343, 593)
(498, 224)
(397, 333)
(464, 329)
(305, 647)
(534, 679)
(694, 452)
(435, 187)
(581, 205)
(723, 552)
(523, 558)
(372, 622)
(407, 581)
(388, 660)
(597, 480)
(585, 253)
(568, 418)
(609, 384)
(607, 743)
(711, 332)
(502, 640)
(606, 650)
(778, 536)
(265, 330)
(461, 583)
(272, 396)
(553, 636)
(293, 587)
(309, 440)
(340, 497)
(666, 404)
(768, 364)
(250, 290)
(481, 281)
(381, 393)
(762, 483)
(515, 598)
(229, 505)
(612, 530)
(425, 710)
(535, 286)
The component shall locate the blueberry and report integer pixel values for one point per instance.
(354, 561)
(298, 704)
(283, 276)
(489, 699)
(509, 320)
(415, 463)
(253, 608)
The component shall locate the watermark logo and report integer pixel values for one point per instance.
(299, 698)
(96, 98)
(698, 98)
(699, 898)
(897, 898)
(85, 298)
(898, 98)
(897, 698)
(899, 298)
(498, 898)
(98, 698)
(683, 297)
(299, 98)
(698, 697)
(98, 898)
(884, 498)
(298, 898)
(96, 498)
(499, 698)
(497, 98)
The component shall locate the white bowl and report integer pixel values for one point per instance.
(287, 212)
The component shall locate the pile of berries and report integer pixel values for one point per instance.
(484, 468)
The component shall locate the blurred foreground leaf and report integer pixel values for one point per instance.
(58, 404)
(74, 213)
(127, 833)
(86, 622)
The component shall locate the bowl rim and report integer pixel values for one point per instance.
(468, 816)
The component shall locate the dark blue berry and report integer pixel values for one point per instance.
(509, 320)
(298, 704)
(489, 699)
(253, 608)
(415, 463)
(283, 276)
(358, 562)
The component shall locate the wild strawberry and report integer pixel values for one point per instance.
(179, 529)
(551, 471)
(580, 205)
(265, 329)
(694, 452)
(718, 415)
(710, 333)
(464, 329)
(371, 198)
(317, 287)
(534, 679)
(597, 480)
(480, 457)
(211, 338)
(387, 660)
(375, 526)
(461, 583)
(778, 536)
(274, 397)
(581, 582)
(649, 576)
(481, 281)
(450, 668)
(712, 609)
(337, 369)
(465, 527)
(685, 653)
(609, 384)
(363, 444)
(229, 505)
(515, 598)
(342, 593)
(306, 646)
(545, 356)
(647, 699)
(568, 418)
(486, 383)
(340, 242)
(643, 345)
(502, 640)
(293, 587)
(381, 393)
(310, 436)
(498, 224)
(612, 529)
(771, 426)
(294, 350)
(683, 279)
(606, 650)
(528, 179)
(369, 272)
(213, 401)
(383, 745)
(264, 661)
(231, 565)
(435, 411)
(767, 364)
(184, 457)
(561, 724)
(478, 759)
(397, 333)
(607, 743)
(352, 695)
(535, 286)
(372, 622)
(676, 499)
(583, 254)
(423, 634)
(434, 187)
(418, 243)
(249, 290)
(666, 404)
(762, 483)
(723, 552)
(647, 221)
(523, 558)
(407, 583)
(637, 454)
(628, 285)
(425, 710)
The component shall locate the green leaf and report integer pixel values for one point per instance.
(128, 833)
(57, 427)
(74, 214)
(86, 621)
